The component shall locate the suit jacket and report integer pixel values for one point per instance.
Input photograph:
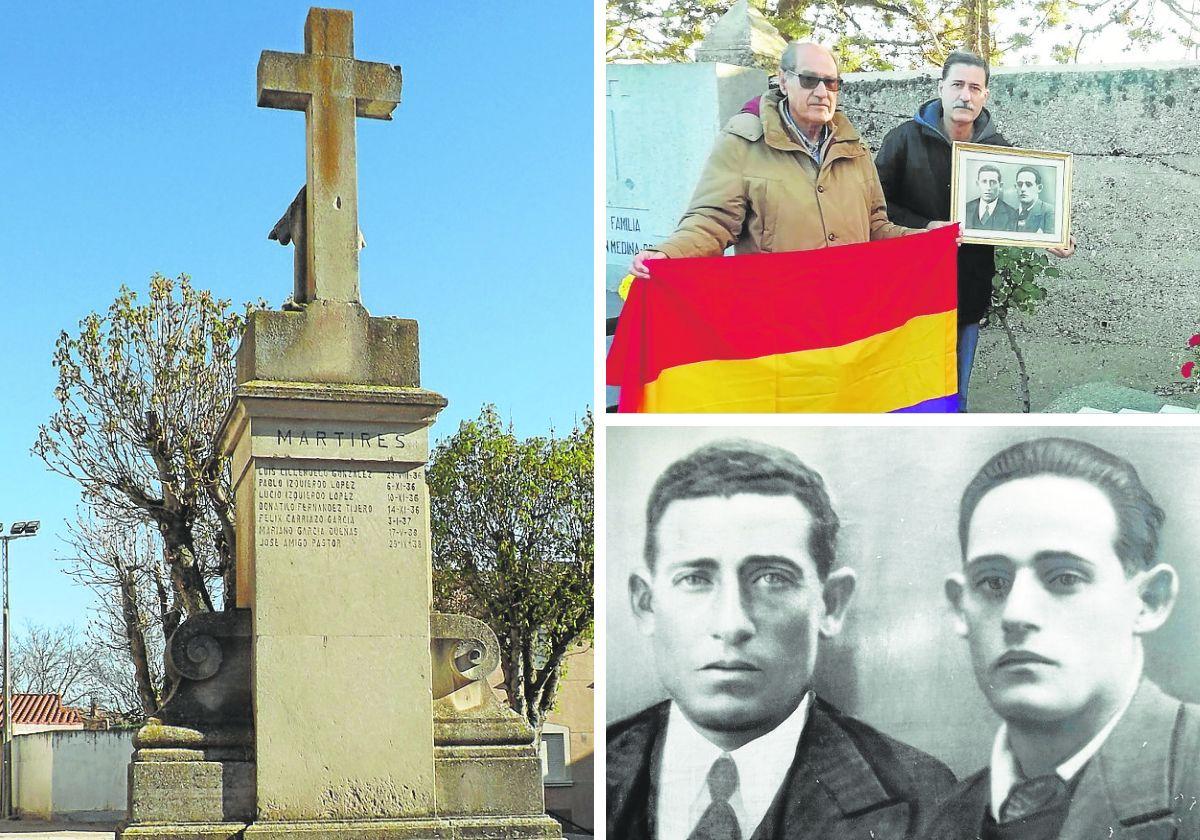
(1143, 784)
(847, 781)
(1039, 220)
(1004, 216)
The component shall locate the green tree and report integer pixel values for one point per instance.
(897, 34)
(513, 546)
(141, 392)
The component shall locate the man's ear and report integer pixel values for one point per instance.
(1157, 589)
(837, 592)
(641, 602)
(956, 587)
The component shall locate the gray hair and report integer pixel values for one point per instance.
(787, 61)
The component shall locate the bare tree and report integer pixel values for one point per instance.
(895, 34)
(126, 568)
(51, 660)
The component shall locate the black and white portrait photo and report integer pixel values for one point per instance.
(910, 631)
(1011, 196)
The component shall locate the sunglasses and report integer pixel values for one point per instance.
(810, 82)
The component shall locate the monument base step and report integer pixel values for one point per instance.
(191, 792)
(483, 828)
(189, 831)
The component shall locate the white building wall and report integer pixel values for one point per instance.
(33, 762)
(72, 774)
(91, 773)
(30, 728)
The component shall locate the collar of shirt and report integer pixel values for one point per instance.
(815, 149)
(762, 764)
(990, 207)
(1006, 773)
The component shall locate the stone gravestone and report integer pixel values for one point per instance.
(661, 121)
(331, 703)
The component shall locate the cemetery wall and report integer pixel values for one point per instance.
(1127, 302)
(72, 775)
(33, 763)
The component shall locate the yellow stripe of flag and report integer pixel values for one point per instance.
(857, 377)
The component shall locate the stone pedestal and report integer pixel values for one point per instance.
(192, 774)
(333, 562)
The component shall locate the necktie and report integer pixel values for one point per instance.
(1032, 796)
(718, 822)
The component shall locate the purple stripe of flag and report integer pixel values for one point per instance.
(938, 405)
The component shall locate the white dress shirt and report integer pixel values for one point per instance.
(687, 756)
(987, 209)
(1006, 773)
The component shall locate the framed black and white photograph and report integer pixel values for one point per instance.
(1005, 196)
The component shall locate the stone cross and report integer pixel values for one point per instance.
(331, 87)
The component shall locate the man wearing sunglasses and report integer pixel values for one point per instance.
(788, 173)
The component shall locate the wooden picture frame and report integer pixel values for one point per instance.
(1031, 207)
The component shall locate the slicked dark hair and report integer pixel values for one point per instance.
(1037, 176)
(971, 60)
(987, 167)
(1139, 519)
(729, 467)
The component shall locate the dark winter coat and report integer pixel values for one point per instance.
(848, 781)
(914, 169)
(1142, 785)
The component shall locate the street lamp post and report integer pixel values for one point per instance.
(18, 530)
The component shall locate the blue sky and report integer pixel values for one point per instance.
(130, 144)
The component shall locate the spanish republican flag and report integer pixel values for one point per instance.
(868, 327)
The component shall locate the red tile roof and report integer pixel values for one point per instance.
(42, 710)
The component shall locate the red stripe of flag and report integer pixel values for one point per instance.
(697, 309)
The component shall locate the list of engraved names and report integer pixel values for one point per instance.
(338, 509)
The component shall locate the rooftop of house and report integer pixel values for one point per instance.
(43, 710)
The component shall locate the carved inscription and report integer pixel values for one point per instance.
(362, 442)
(344, 510)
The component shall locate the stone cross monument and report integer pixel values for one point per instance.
(331, 87)
(331, 703)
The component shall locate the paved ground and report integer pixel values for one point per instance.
(37, 830)
(34, 830)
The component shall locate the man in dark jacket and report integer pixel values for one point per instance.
(738, 589)
(914, 169)
(995, 213)
(1033, 214)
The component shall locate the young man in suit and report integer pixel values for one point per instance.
(739, 585)
(989, 211)
(1060, 582)
(1033, 214)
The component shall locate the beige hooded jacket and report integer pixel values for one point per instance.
(761, 192)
